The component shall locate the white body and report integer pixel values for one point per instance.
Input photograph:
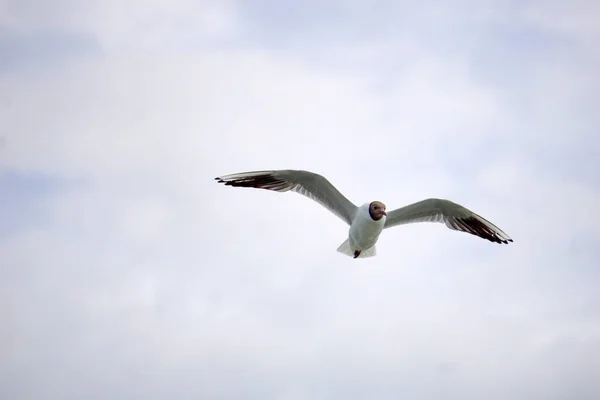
(363, 234)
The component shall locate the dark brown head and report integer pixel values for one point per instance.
(377, 210)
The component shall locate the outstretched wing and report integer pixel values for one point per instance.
(455, 217)
(311, 185)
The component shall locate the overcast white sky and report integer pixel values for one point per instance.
(127, 272)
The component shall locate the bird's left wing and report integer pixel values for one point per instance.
(455, 217)
(309, 184)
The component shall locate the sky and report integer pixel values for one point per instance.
(127, 272)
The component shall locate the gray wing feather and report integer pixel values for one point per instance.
(455, 217)
(309, 184)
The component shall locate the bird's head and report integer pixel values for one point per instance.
(377, 210)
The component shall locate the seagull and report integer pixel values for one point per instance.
(370, 219)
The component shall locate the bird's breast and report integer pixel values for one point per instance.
(364, 232)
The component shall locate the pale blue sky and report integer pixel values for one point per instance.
(126, 271)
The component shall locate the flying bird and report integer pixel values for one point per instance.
(370, 219)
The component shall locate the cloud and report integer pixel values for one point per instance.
(46, 47)
(128, 272)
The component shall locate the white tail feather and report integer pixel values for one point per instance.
(347, 250)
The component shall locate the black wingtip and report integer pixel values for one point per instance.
(476, 227)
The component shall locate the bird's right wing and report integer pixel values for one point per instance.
(311, 185)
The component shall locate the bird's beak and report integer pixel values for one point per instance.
(384, 213)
